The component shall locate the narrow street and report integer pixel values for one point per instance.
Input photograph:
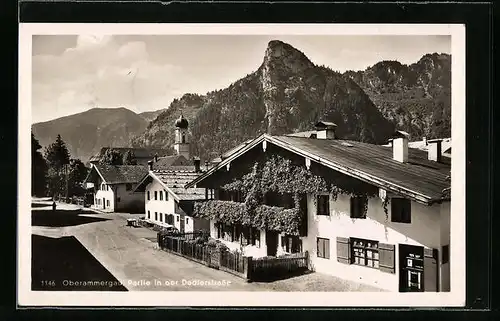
(75, 245)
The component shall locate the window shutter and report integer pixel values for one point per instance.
(386, 257)
(343, 250)
(430, 270)
(320, 247)
(327, 248)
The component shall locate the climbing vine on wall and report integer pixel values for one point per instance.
(279, 175)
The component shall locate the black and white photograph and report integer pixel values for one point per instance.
(243, 165)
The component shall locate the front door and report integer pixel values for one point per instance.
(104, 203)
(271, 242)
(411, 268)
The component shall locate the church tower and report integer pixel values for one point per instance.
(181, 144)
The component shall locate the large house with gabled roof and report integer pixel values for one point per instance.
(167, 202)
(113, 187)
(375, 214)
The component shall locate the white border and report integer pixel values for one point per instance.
(456, 297)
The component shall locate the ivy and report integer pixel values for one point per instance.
(279, 175)
(262, 216)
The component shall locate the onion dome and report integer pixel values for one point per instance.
(181, 122)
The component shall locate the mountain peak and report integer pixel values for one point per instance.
(279, 53)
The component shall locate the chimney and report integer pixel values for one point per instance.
(196, 162)
(325, 130)
(400, 146)
(150, 165)
(434, 150)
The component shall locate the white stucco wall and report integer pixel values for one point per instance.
(424, 230)
(164, 206)
(104, 194)
(128, 200)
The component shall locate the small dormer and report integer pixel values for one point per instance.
(325, 130)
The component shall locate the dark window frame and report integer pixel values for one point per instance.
(156, 195)
(357, 210)
(326, 254)
(293, 243)
(400, 210)
(323, 209)
(364, 251)
(156, 216)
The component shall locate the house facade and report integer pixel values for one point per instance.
(166, 202)
(113, 187)
(386, 223)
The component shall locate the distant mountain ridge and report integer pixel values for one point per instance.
(287, 93)
(85, 133)
(415, 97)
(151, 115)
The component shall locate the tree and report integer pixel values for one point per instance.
(129, 158)
(112, 157)
(38, 169)
(57, 156)
(77, 174)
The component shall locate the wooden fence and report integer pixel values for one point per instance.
(246, 267)
(276, 267)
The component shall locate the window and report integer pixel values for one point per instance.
(149, 215)
(323, 248)
(118, 200)
(166, 196)
(255, 236)
(107, 203)
(149, 196)
(445, 252)
(291, 244)
(161, 217)
(161, 195)
(178, 218)
(156, 216)
(156, 195)
(183, 138)
(187, 220)
(227, 232)
(358, 209)
(128, 186)
(103, 187)
(400, 210)
(323, 205)
(365, 252)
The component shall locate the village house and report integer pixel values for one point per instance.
(374, 214)
(167, 202)
(113, 187)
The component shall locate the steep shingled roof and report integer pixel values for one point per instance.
(119, 174)
(419, 179)
(174, 180)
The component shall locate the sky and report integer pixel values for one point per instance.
(71, 74)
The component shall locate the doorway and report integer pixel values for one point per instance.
(411, 268)
(271, 243)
